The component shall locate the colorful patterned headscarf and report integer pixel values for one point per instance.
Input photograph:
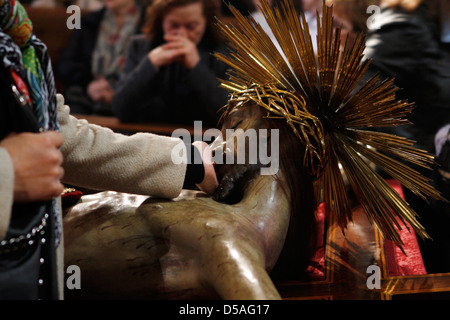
(26, 57)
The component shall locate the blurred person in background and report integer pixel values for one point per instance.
(170, 74)
(89, 67)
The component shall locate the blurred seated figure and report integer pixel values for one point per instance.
(170, 74)
(261, 217)
(353, 17)
(198, 246)
(403, 42)
(89, 67)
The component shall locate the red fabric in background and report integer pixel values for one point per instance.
(398, 263)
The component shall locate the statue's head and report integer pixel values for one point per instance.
(279, 151)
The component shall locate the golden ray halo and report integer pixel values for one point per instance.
(315, 96)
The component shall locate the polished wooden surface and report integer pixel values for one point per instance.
(346, 263)
(115, 125)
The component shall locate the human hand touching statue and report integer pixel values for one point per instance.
(37, 163)
(178, 48)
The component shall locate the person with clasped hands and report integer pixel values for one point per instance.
(170, 73)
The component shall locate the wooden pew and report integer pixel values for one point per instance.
(130, 128)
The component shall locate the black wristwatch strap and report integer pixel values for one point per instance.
(195, 172)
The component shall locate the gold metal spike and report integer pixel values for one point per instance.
(316, 95)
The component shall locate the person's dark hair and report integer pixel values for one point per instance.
(159, 8)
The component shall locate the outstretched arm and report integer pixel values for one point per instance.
(98, 158)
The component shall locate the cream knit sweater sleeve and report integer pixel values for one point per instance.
(6, 191)
(97, 158)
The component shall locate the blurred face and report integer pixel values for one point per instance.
(187, 21)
